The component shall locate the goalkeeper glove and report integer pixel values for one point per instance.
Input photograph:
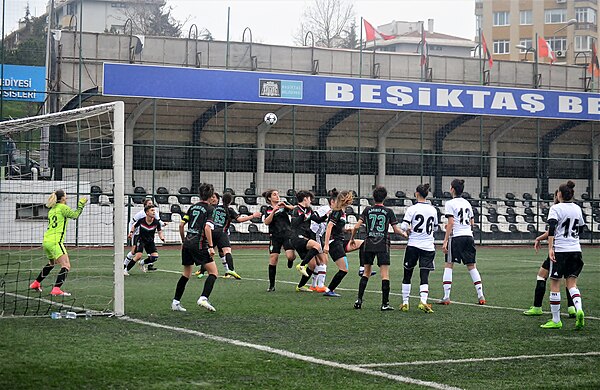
(82, 201)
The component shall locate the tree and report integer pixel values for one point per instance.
(351, 39)
(330, 21)
(153, 19)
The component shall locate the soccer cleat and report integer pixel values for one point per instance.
(444, 301)
(303, 289)
(125, 272)
(482, 301)
(142, 266)
(200, 275)
(36, 286)
(56, 291)
(386, 307)
(313, 288)
(227, 276)
(177, 307)
(533, 311)
(373, 273)
(580, 321)
(321, 289)
(271, 289)
(151, 267)
(202, 301)
(302, 270)
(331, 294)
(404, 307)
(552, 325)
(425, 307)
(358, 304)
(290, 263)
(572, 312)
(234, 274)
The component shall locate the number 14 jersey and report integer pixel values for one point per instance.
(423, 221)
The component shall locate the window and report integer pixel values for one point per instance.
(556, 15)
(72, 9)
(478, 22)
(31, 211)
(502, 47)
(585, 15)
(527, 42)
(583, 43)
(501, 18)
(526, 17)
(559, 43)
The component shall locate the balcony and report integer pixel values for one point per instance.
(585, 26)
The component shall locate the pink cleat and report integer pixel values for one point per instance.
(56, 291)
(36, 286)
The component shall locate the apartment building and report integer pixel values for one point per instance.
(569, 26)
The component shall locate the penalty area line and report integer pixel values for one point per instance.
(293, 355)
(476, 360)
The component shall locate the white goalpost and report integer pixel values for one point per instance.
(87, 159)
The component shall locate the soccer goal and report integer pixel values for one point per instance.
(84, 156)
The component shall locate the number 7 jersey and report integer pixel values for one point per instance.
(423, 220)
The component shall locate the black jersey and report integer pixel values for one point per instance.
(378, 219)
(301, 221)
(147, 230)
(280, 224)
(223, 216)
(198, 215)
(338, 219)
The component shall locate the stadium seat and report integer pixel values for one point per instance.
(350, 211)
(95, 192)
(230, 190)
(162, 196)
(393, 202)
(513, 228)
(243, 210)
(291, 196)
(447, 195)
(436, 202)
(184, 196)
(176, 209)
(252, 228)
(256, 220)
(263, 209)
(139, 199)
(250, 196)
(466, 195)
(103, 200)
(165, 217)
(510, 199)
(400, 194)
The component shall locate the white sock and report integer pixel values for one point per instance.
(224, 261)
(176, 302)
(405, 293)
(476, 278)
(361, 270)
(447, 282)
(555, 306)
(576, 298)
(321, 276)
(424, 292)
(315, 276)
(127, 259)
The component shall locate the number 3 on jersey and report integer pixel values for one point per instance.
(462, 213)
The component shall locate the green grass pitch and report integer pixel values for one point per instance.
(290, 340)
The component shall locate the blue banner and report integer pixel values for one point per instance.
(24, 83)
(344, 92)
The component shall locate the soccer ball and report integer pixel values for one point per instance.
(271, 119)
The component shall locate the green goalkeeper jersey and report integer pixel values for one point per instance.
(58, 218)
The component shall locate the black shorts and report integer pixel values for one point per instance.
(220, 239)
(414, 254)
(546, 264)
(278, 242)
(337, 249)
(195, 252)
(299, 243)
(148, 246)
(567, 265)
(383, 258)
(461, 249)
(135, 239)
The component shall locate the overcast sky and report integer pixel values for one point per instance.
(276, 21)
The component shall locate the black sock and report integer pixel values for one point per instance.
(362, 286)
(569, 298)
(272, 273)
(208, 285)
(361, 255)
(290, 263)
(304, 279)
(62, 276)
(131, 265)
(408, 273)
(337, 279)
(424, 273)
(540, 290)
(45, 272)
(385, 292)
(150, 260)
(180, 288)
(311, 253)
(229, 260)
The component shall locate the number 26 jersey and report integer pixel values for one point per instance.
(423, 221)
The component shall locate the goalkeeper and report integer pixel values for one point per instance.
(58, 217)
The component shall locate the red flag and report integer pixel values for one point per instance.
(423, 49)
(594, 66)
(487, 51)
(373, 34)
(544, 50)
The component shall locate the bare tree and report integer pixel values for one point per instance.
(329, 21)
(152, 18)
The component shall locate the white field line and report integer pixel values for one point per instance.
(397, 294)
(475, 360)
(296, 356)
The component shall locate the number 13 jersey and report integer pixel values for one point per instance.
(422, 218)
(462, 212)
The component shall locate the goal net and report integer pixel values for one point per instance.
(80, 151)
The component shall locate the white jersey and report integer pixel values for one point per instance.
(319, 228)
(570, 219)
(142, 214)
(423, 220)
(461, 210)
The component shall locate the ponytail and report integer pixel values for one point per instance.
(54, 198)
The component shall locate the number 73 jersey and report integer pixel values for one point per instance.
(423, 221)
